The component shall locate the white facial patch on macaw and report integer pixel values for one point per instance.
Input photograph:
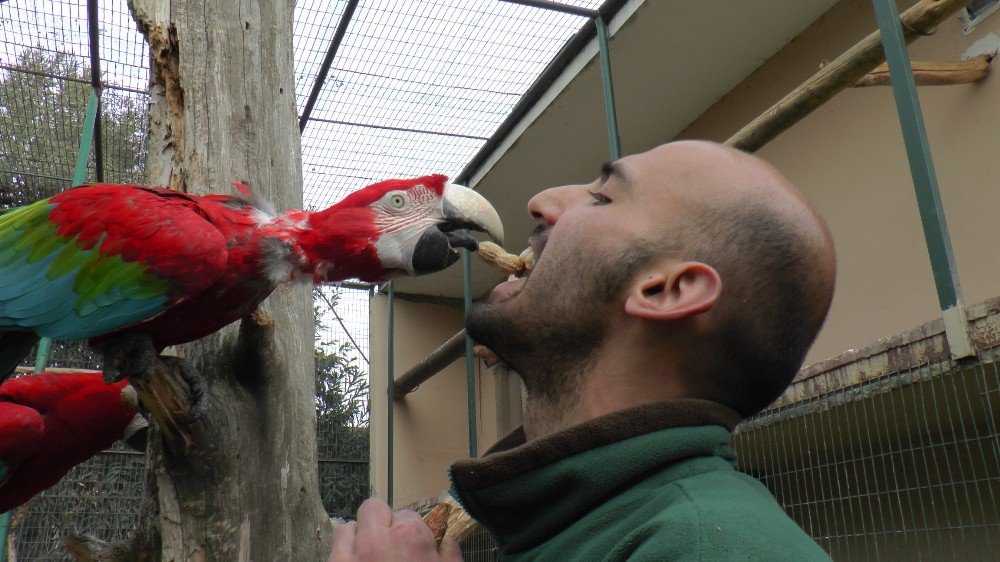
(400, 217)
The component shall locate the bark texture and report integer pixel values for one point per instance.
(241, 483)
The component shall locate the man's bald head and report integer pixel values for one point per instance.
(774, 255)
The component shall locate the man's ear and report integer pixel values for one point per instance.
(674, 291)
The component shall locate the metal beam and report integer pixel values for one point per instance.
(331, 53)
(401, 129)
(95, 83)
(614, 142)
(545, 80)
(470, 360)
(555, 7)
(86, 138)
(390, 391)
(925, 184)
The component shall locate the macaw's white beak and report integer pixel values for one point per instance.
(462, 208)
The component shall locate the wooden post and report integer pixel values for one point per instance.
(240, 483)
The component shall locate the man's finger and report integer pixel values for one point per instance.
(343, 540)
(450, 550)
(406, 515)
(374, 513)
(410, 528)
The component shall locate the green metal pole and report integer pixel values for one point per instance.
(42, 355)
(925, 184)
(86, 138)
(79, 175)
(390, 402)
(470, 361)
(609, 90)
(4, 531)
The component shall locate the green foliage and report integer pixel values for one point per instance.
(341, 389)
(342, 425)
(42, 107)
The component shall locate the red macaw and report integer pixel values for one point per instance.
(51, 422)
(169, 267)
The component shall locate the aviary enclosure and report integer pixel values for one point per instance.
(891, 452)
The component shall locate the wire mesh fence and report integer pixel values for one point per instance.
(102, 496)
(905, 467)
(415, 87)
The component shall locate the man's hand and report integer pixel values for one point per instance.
(379, 534)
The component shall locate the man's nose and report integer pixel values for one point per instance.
(549, 205)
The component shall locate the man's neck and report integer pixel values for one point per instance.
(606, 387)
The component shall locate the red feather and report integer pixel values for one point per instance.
(51, 422)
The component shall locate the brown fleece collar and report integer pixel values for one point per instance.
(512, 456)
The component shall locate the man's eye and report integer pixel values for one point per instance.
(599, 198)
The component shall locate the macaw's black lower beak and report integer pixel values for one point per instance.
(435, 250)
(462, 208)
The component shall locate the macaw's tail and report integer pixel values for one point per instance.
(14, 348)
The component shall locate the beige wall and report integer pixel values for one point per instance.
(849, 158)
(431, 428)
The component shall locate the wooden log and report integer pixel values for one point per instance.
(842, 73)
(449, 352)
(933, 73)
(448, 517)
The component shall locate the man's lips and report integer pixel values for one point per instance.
(514, 285)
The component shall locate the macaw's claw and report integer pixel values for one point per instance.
(127, 355)
(198, 385)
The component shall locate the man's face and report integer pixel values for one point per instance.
(590, 241)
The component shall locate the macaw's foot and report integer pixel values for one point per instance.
(14, 349)
(198, 385)
(127, 355)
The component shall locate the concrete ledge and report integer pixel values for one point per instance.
(920, 347)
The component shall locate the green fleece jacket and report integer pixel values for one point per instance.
(652, 483)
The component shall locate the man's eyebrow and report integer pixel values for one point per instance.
(610, 169)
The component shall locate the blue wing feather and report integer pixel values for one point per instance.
(44, 277)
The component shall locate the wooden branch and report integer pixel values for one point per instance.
(933, 73)
(88, 548)
(440, 358)
(842, 73)
(448, 517)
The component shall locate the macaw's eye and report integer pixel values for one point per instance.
(397, 201)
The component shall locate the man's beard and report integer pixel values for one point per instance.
(551, 334)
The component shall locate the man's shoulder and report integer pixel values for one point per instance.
(721, 515)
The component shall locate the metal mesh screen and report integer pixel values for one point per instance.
(101, 496)
(342, 403)
(906, 467)
(416, 87)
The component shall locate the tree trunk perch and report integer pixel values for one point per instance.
(240, 483)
